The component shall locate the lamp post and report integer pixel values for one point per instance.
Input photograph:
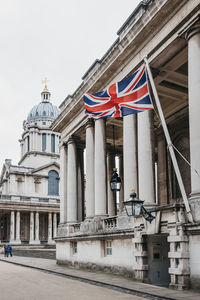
(137, 207)
(115, 181)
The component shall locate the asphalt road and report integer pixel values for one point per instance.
(20, 283)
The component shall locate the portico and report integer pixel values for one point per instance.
(168, 34)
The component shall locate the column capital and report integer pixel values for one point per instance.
(193, 30)
(72, 140)
(63, 145)
(89, 123)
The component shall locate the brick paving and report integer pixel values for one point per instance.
(103, 279)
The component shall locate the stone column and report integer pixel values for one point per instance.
(130, 154)
(121, 192)
(31, 141)
(72, 182)
(37, 241)
(100, 168)
(33, 145)
(80, 183)
(32, 225)
(193, 37)
(49, 228)
(12, 226)
(162, 171)
(35, 140)
(111, 196)
(63, 184)
(18, 241)
(89, 193)
(54, 225)
(146, 168)
(39, 142)
(21, 145)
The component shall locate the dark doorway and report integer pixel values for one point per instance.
(158, 261)
(4, 227)
(43, 236)
(24, 227)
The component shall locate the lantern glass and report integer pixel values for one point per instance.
(137, 209)
(115, 186)
(115, 183)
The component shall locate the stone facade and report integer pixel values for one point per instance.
(29, 198)
(91, 234)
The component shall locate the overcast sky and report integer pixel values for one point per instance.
(57, 39)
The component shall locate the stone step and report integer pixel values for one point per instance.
(37, 253)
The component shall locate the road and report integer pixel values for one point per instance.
(21, 283)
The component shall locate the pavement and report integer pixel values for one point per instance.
(110, 281)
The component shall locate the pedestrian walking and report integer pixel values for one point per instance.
(9, 250)
(5, 250)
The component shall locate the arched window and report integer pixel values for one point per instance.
(53, 183)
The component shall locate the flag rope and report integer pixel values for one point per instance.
(183, 157)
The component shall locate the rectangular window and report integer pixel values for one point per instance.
(108, 248)
(74, 248)
(28, 143)
(44, 142)
(53, 143)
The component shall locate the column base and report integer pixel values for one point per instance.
(51, 242)
(34, 242)
(194, 202)
(15, 242)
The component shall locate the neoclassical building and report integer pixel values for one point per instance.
(95, 232)
(29, 198)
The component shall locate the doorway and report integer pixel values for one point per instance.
(158, 261)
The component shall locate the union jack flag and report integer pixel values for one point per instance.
(129, 96)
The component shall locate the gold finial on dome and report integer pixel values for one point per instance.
(45, 87)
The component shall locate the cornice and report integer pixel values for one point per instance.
(38, 153)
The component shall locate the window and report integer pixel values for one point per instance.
(53, 143)
(108, 248)
(44, 113)
(74, 248)
(43, 123)
(28, 143)
(53, 183)
(44, 142)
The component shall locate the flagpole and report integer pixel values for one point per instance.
(169, 142)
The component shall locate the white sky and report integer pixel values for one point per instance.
(57, 39)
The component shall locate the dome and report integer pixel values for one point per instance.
(45, 110)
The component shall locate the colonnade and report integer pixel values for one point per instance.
(138, 170)
(35, 141)
(34, 227)
(138, 166)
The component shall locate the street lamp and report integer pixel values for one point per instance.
(137, 207)
(115, 182)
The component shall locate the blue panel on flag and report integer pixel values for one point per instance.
(123, 84)
(141, 82)
(145, 100)
(129, 111)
